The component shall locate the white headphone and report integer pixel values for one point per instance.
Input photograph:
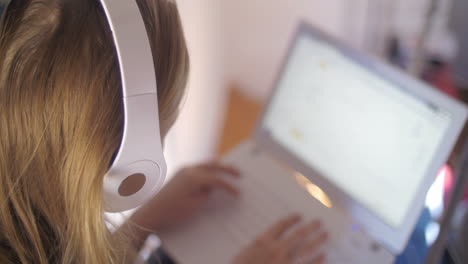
(140, 154)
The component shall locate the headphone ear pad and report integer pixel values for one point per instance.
(132, 184)
(127, 187)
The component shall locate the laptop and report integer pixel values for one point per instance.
(345, 139)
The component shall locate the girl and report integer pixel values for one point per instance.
(61, 123)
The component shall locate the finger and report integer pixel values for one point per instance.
(278, 229)
(217, 167)
(313, 246)
(301, 234)
(215, 182)
(321, 259)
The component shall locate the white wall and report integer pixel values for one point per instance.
(241, 41)
(194, 136)
(256, 34)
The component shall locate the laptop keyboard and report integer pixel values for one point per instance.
(354, 247)
(263, 203)
(258, 214)
(269, 192)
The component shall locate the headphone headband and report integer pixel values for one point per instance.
(141, 151)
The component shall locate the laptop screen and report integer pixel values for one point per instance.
(365, 134)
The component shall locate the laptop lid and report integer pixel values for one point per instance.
(372, 137)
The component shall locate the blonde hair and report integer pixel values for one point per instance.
(61, 122)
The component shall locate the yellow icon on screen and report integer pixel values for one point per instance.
(297, 134)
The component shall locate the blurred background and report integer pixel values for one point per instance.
(236, 48)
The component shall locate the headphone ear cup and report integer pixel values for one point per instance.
(140, 159)
(132, 184)
(127, 187)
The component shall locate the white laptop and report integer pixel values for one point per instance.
(345, 139)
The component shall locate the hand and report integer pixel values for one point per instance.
(184, 196)
(278, 246)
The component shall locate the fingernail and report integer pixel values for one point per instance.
(316, 223)
(296, 216)
(322, 258)
(234, 170)
(325, 236)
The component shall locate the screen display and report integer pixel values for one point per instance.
(368, 136)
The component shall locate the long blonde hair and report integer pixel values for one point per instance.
(61, 122)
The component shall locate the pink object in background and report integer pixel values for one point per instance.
(449, 183)
(442, 79)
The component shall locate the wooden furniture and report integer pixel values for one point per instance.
(240, 120)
